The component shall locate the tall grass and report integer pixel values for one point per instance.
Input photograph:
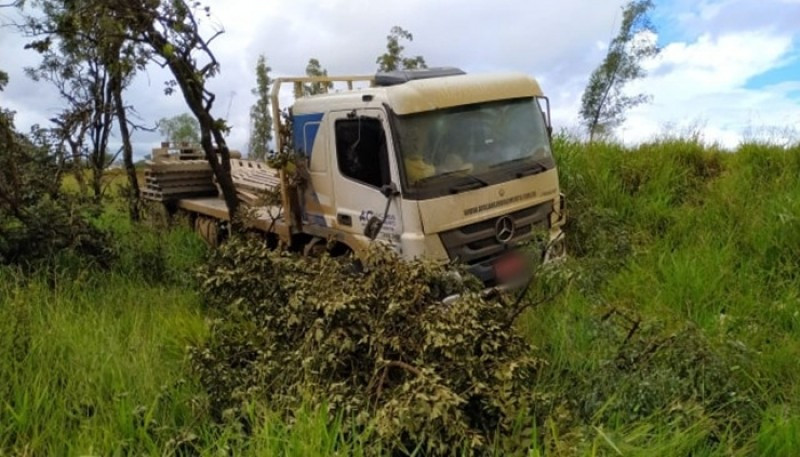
(687, 261)
(93, 361)
(680, 333)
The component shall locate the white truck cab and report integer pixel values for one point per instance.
(466, 160)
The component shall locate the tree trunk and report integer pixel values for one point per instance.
(134, 204)
(97, 184)
(596, 118)
(221, 168)
(77, 164)
(200, 103)
(103, 117)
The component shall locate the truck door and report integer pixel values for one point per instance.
(361, 164)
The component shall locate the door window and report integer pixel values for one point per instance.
(361, 150)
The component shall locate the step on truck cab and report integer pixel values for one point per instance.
(436, 163)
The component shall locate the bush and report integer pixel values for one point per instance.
(379, 346)
(38, 222)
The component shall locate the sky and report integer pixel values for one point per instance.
(728, 70)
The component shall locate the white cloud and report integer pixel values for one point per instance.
(554, 41)
(705, 80)
(700, 77)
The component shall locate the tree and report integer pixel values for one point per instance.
(394, 59)
(169, 32)
(604, 103)
(80, 76)
(133, 194)
(260, 114)
(180, 129)
(315, 69)
(91, 64)
(38, 221)
(71, 128)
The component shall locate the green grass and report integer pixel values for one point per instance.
(696, 245)
(94, 362)
(680, 333)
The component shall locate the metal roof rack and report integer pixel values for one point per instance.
(393, 78)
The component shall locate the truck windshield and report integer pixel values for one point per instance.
(481, 143)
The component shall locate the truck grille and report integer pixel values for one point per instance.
(476, 245)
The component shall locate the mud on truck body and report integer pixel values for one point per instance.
(436, 163)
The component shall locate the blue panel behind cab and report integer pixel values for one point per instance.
(305, 131)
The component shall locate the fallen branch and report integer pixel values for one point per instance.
(405, 366)
(520, 309)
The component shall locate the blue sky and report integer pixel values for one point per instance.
(788, 71)
(729, 69)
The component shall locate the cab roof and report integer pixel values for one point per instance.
(423, 95)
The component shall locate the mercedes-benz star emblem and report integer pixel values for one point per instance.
(504, 229)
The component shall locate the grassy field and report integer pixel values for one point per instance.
(679, 334)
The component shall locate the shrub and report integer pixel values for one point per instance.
(37, 221)
(379, 346)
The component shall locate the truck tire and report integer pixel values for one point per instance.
(316, 247)
(208, 229)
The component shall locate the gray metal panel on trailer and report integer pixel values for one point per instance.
(214, 206)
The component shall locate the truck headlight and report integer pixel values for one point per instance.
(557, 248)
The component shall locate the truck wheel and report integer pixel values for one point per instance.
(208, 229)
(341, 250)
(315, 248)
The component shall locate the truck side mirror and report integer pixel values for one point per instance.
(544, 106)
(373, 227)
(390, 190)
(375, 223)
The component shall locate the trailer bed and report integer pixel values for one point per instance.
(265, 218)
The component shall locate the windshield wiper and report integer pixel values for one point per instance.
(477, 183)
(451, 173)
(512, 161)
(533, 168)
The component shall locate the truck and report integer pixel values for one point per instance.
(436, 163)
